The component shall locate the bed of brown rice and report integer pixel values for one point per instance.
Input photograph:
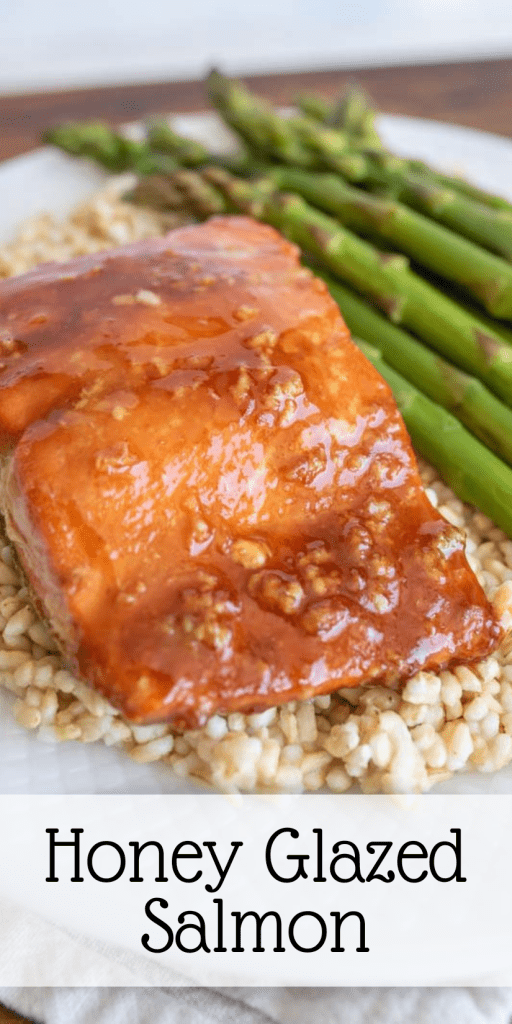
(386, 741)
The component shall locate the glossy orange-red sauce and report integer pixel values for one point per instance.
(212, 491)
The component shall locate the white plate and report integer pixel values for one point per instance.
(48, 180)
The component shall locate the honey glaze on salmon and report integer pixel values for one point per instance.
(218, 507)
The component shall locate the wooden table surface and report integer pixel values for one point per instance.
(8, 1017)
(477, 94)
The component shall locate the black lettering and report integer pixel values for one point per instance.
(352, 856)
(301, 857)
(402, 856)
(456, 847)
(162, 924)
(222, 871)
(319, 877)
(177, 854)
(362, 947)
(291, 931)
(259, 919)
(75, 843)
(199, 927)
(137, 850)
(373, 873)
(122, 861)
(220, 947)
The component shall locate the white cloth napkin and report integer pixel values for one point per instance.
(262, 1006)
(28, 944)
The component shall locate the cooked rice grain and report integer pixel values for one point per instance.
(386, 741)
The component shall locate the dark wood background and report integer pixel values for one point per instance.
(8, 1017)
(476, 93)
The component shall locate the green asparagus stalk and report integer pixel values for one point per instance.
(414, 184)
(269, 136)
(329, 148)
(353, 113)
(465, 396)
(504, 332)
(487, 277)
(448, 203)
(157, 192)
(314, 106)
(302, 142)
(420, 189)
(256, 122)
(194, 199)
(298, 141)
(339, 114)
(199, 195)
(466, 188)
(187, 152)
(97, 140)
(475, 474)
(387, 279)
(161, 138)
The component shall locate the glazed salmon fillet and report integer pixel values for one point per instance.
(211, 490)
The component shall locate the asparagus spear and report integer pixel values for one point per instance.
(353, 113)
(471, 470)
(263, 131)
(448, 202)
(465, 396)
(339, 114)
(156, 191)
(187, 152)
(466, 188)
(415, 184)
(270, 136)
(302, 142)
(314, 106)
(97, 140)
(198, 195)
(486, 276)
(417, 187)
(387, 279)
